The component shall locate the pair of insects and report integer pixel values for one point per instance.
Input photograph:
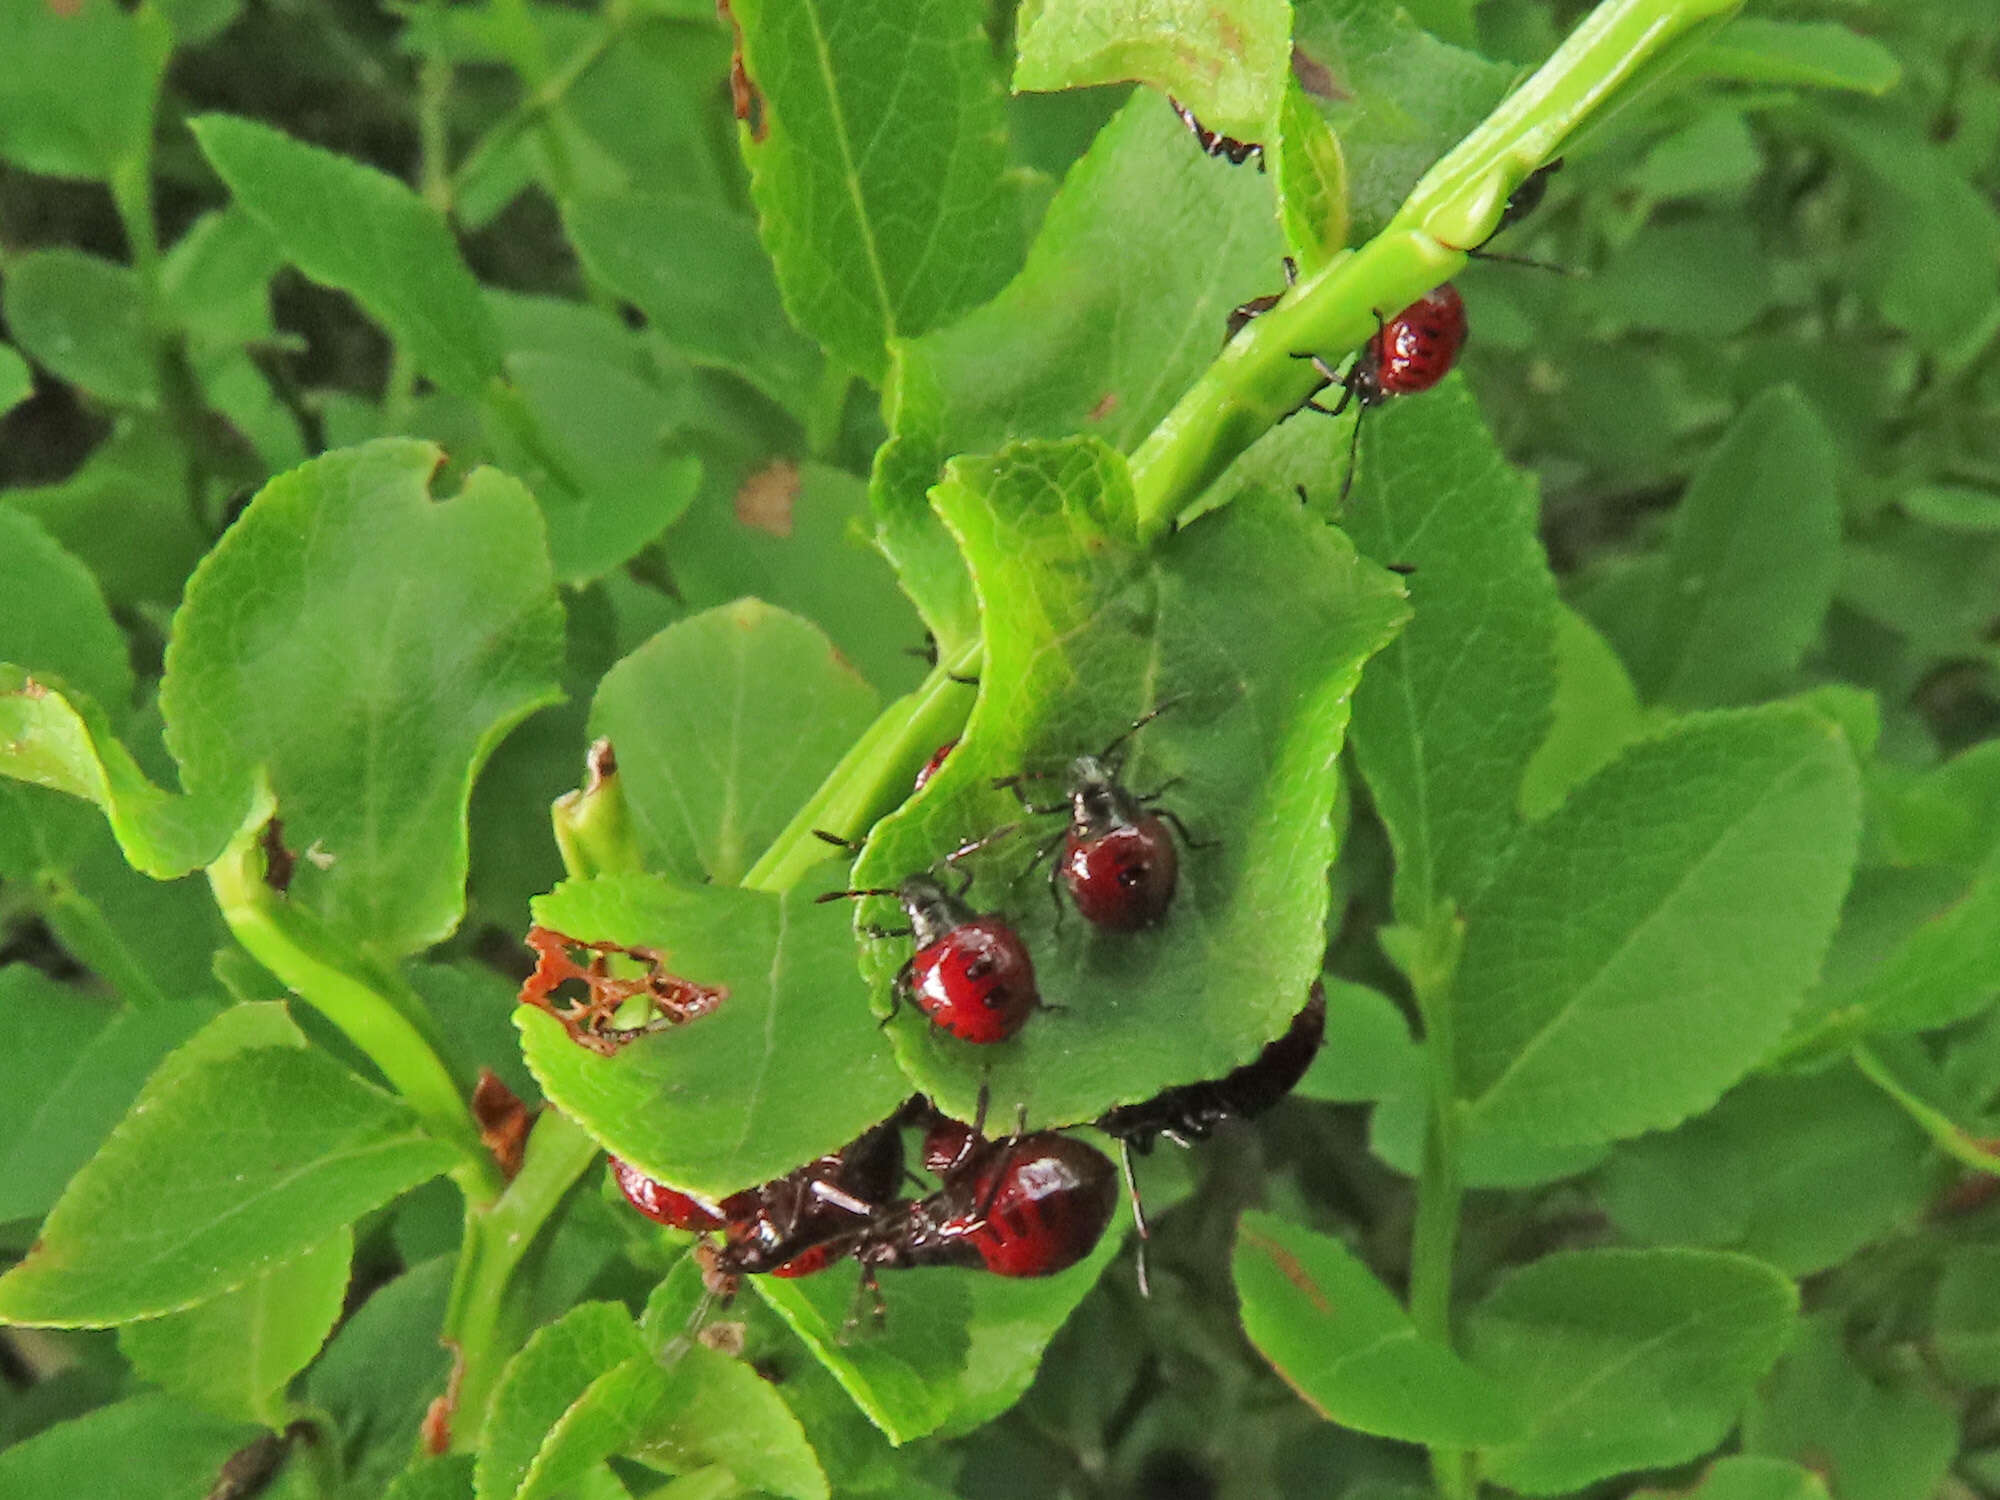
(971, 973)
(1028, 1205)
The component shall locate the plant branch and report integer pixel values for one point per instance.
(369, 1002)
(1258, 380)
(1946, 1133)
(484, 1322)
(872, 777)
(1428, 957)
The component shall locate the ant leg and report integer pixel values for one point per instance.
(833, 1197)
(871, 930)
(1353, 453)
(1138, 1214)
(1182, 829)
(836, 840)
(973, 846)
(903, 989)
(1141, 722)
(1013, 784)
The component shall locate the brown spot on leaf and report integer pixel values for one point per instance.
(588, 1019)
(1315, 77)
(1289, 1268)
(1974, 1190)
(436, 1427)
(725, 1338)
(766, 496)
(1106, 405)
(30, 688)
(600, 765)
(279, 862)
(65, 8)
(744, 97)
(503, 1119)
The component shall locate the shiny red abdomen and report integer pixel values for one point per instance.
(1123, 878)
(1417, 348)
(660, 1203)
(1054, 1199)
(976, 982)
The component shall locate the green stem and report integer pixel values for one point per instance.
(1258, 380)
(873, 776)
(83, 929)
(485, 1322)
(545, 97)
(1430, 960)
(434, 82)
(1949, 1136)
(369, 1002)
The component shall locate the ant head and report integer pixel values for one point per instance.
(933, 911)
(1096, 799)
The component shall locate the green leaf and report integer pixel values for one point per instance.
(1703, 278)
(361, 231)
(1806, 54)
(1227, 63)
(216, 281)
(17, 382)
(956, 1349)
(1087, 338)
(149, 1445)
(1311, 176)
(1625, 1359)
(1368, 1052)
(445, 1478)
(448, 635)
(1946, 969)
(1396, 97)
(125, 514)
(269, 1152)
(796, 536)
(197, 21)
(703, 281)
(764, 709)
(1641, 949)
(1595, 715)
(1346, 1346)
(236, 1353)
(69, 1066)
(1947, 507)
(1447, 722)
(1744, 1476)
(78, 85)
(1798, 1171)
(68, 633)
(877, 151)
(83, 319)
(609, 474)
(1872, 1438)
(703, 1408)
(543, 1381)
(380, 1374)
(65, 743)
(1965, 1319)
(1751, 569)
(1253, 625)
(789, 1066)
